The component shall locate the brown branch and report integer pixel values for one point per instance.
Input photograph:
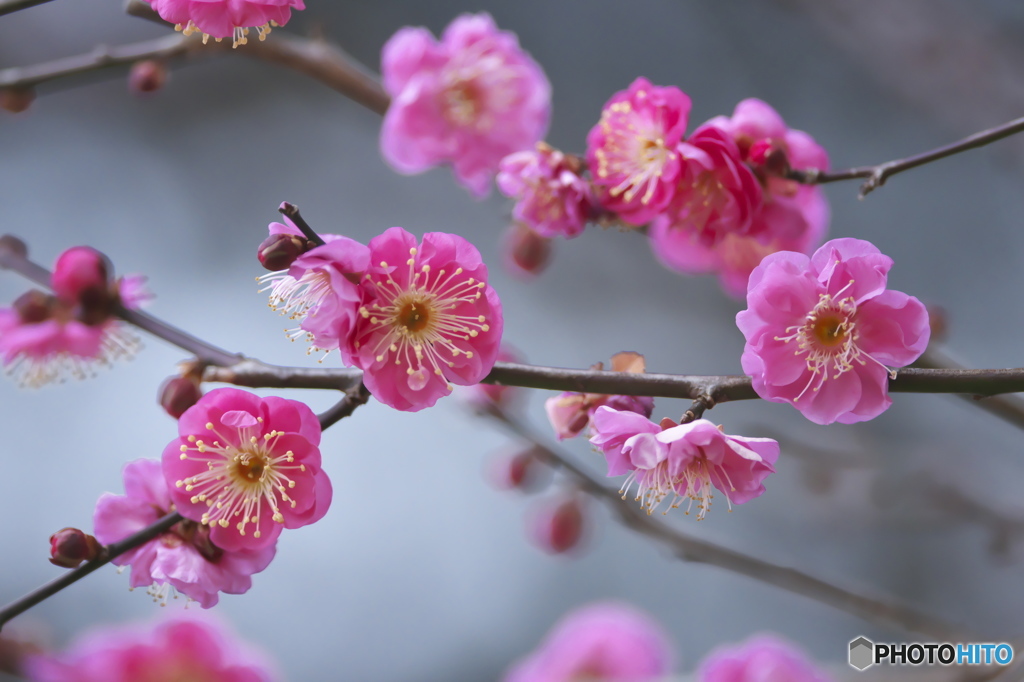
(10, 6)
(692, 549)
(291, 211)
(353, 398)
(877, 175)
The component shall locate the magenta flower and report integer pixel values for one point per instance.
(551, 197)
(247, 467)
(603, 641)
(760, 659)
(429, 319)
(632, 152)
(470, 100)
(80, 272)
(570, 413)
(183, 559)
(822, 332)
(184, 647)
(320, 288)
(226, 18)
(676, 461)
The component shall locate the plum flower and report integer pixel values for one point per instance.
(247, 467)
(429, 319)
(760, 659)
(182, 559)
(552, 198)
(470, 100)
(184, 647)
(822, 332)
(602, 641)
(320, 288)
(676, 461)
(570, 413)
(632, 152)
(226, 18)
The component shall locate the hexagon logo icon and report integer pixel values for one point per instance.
(862, 653)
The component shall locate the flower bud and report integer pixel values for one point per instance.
(178, 394)
(557, 526)
(79, 270)
(34, 306)
(516, 471)
(526, 252)
(279, 251)
(147, 76)
(16, 100)
(69, 547)
(770, 156)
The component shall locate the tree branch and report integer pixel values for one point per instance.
(11, 6)
(353, 398)
(877, 175)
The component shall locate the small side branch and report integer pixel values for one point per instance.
(353, 398)
(291, 211)
(11, 6)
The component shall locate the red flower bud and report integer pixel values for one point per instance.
(558, 525)
(770, 155)
(147, 76)
(178, 394)
(526, 252)
(16, 100)
(520, 470)
(34, 306)
(279, 251)
(69, 547)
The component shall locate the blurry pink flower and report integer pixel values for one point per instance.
(183, 558)
(247, 467)
(226, 18)
(470, 100)
(557, 525)
(551, 197)
(320, 288)
(429, 319)
(80, 271)
(525, 253)
(823, 331)
(759, 659)
(603, 641)
(184, 647)
(684, 460)
(632, 152)
(570, 413)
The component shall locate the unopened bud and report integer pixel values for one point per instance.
(178, 394)
(16, 100)
(34, 306)
(519, 470)
(557, 525)
(279, 251)
(69, 547)
(78, 270)
(147, 76)
(770, 155)
(13, 245)
(526, 252)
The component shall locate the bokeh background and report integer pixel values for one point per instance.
(421, 571)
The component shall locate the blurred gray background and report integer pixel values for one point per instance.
(420, 571)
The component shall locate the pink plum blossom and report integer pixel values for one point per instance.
(79, 271)
(602, 641)
(469, 100)
(183, 647)
(632, 152)
(760, 659)
(551, 196)
(183, 558)
(822, 332)
(429, 319)
(320, 288)
(570, 413)
(226, 18)
(675, 461)
(247, 467)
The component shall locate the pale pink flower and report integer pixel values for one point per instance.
(183, 558)
(470, 100)
(603, 641)
(677, 461)
(759, 659)
(320, 288)
(429, 319)
(632, 152)
(226, 18)
(822, 332)
(183, 647)
(551, 196)
(247, 467)
(570, 413)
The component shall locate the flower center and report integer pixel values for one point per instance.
(634, 153)
(656, 485)
(461, 101)
(414, 315)
(239, 34)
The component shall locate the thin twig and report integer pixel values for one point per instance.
(291, 211)
(691, 549)
(1007, 407)
(877, 175)
(10, 6)
(353, 398)
(109, 552)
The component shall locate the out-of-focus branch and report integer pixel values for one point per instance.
(877, 175)
(691, 549)
(1007, 407)
(9, 6)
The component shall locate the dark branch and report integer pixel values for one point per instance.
(291, 211)
(11, 6)
(354, 397)
(877, 175)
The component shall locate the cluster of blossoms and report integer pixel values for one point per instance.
(613, 642)
(49, 337)
(242, 469)
(226, 18)
(415, 316)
